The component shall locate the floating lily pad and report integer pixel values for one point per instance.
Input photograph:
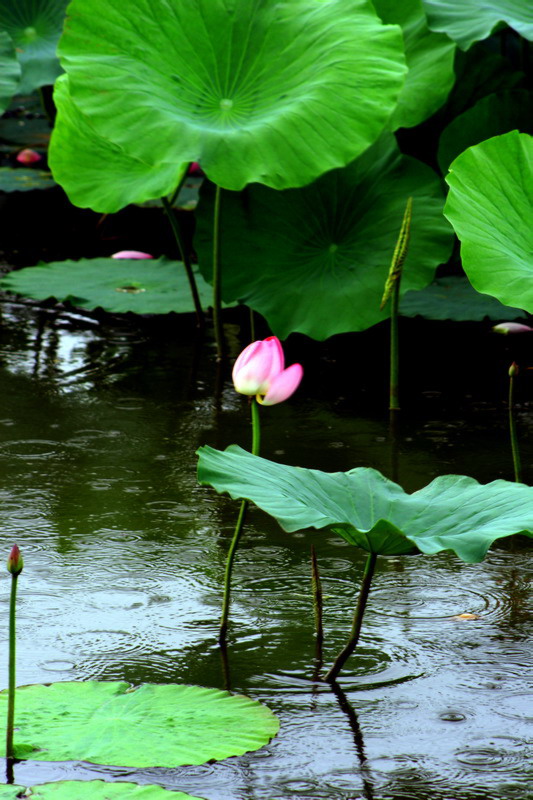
(494, 115)
(267, 92)
(469, 21)
(155, 286)
(92, 790)
(490, 205)
(145, 726)
(9, 70)
(453, 512)
(316, 259)
(94, 172)
(455, 298)
(35, 27)
(24, 180)
(429, 57)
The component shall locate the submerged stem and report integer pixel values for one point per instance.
(357, 620)
(217, 304)
(256, 442)
(186, 261)
(11, 669)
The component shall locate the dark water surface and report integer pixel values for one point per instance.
(124, 557)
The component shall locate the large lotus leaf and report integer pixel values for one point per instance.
(24, 180)
(142, 286)
(35, 27)
(9, 70)
(454, 297)
(490, 205)
(493, 115)
(315, 259)
(429, 57)
(94, 172)
(453, 512)
(262, 91)
(468, 21)
(92, 790)
(156, 286)
(146, 726)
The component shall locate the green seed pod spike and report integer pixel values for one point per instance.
(400, 253)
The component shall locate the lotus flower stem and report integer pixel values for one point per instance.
(513, 372)
(217, 318)
(186, 261)
(256, 443)
(357, 620)
(14, 565)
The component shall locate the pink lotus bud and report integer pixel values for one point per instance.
(195, 169)
(514, 369)
(15, 561)
(131, 254)
(512, 327)
(28, 156)
(259, 370)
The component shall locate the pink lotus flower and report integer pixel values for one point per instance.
(512, 327)
(131, 254)
(28, 156)
(259, 370)
(195, 169)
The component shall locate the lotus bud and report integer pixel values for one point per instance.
(28, 156)
(512, 327)
(15, 561)
(195, 169)
(133, 254)
(513, 370)
(259, 371)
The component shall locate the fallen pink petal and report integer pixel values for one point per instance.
(512, 327)
(28, 156)
(134, 254)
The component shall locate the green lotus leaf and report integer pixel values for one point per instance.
(155, 286)
(35, 27)
(9, 70)
(492, 116)
(93, 790)
(146, 726)
(315, 259)
(24, 180)
(468, 21)
(490, 205)
(94, 172)
(429, 57)
(455, 298)
(453, 512)
(275, 93)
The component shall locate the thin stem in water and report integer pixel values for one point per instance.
(513, 371)
(345, 654)
(256, 443)
(217, 298)
(185, 257)
(316, 585)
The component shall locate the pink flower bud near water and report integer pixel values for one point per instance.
(15, 561)
(195, 169)
(259, 371)
(131, 254)
(512, 327)
(514, 369)
(28, 156)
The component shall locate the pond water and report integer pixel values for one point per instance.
(124, 554)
